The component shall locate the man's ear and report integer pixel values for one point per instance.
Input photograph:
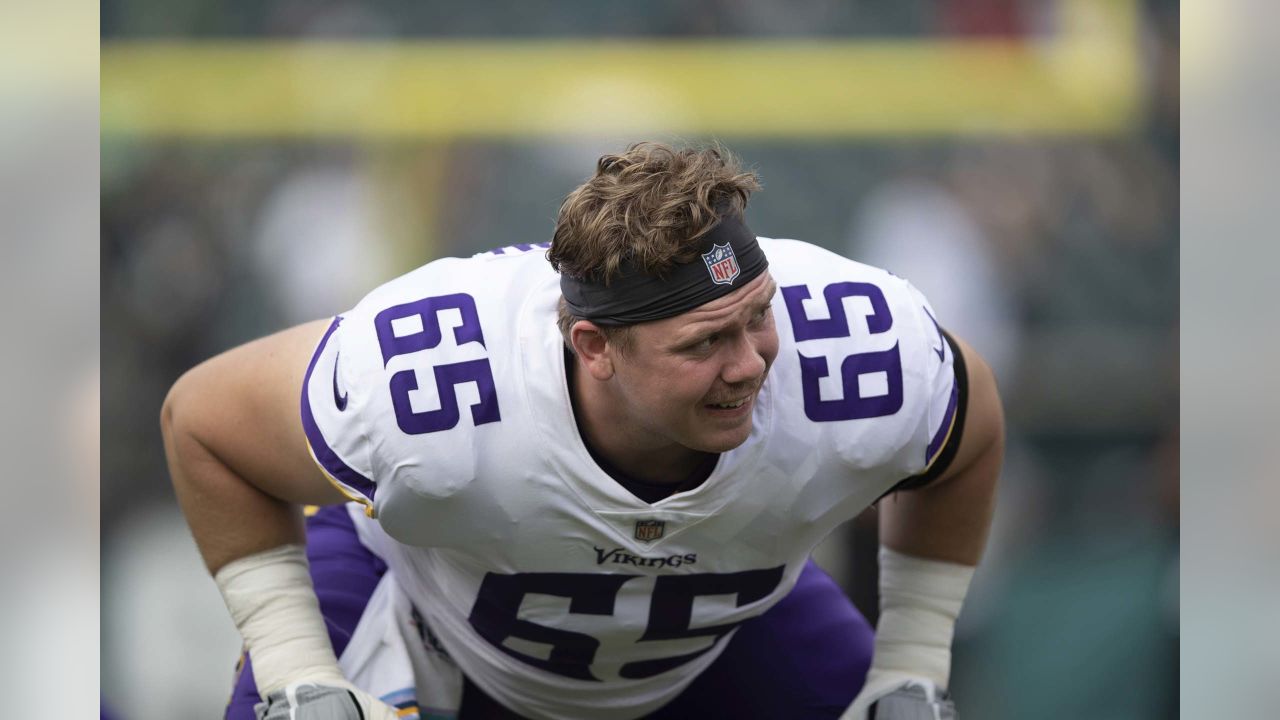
(594, 350)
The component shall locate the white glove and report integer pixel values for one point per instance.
(306, 701)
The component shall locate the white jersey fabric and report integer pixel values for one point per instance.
(440, 401)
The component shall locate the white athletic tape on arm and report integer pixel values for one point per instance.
(273, 604)
(920, 600)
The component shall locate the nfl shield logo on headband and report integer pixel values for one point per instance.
(722, 264)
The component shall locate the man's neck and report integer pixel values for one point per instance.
(627, 449)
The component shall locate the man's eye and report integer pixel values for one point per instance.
(760, 316)
(707, 342)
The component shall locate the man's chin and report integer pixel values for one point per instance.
(723, 441)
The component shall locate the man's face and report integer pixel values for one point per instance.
(693, 379)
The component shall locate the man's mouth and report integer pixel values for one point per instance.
(729, 405)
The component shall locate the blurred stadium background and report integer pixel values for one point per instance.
(265, 164)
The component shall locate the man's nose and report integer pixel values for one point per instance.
(745, 364)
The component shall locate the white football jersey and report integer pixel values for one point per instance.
(440, 401)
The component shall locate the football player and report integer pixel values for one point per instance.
(596, 482)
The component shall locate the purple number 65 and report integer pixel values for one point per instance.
(447, 375)
(854, 404)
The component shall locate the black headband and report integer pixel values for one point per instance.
(730, 258)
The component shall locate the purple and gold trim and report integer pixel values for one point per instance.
(940, 438)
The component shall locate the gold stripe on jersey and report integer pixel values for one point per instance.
(346, 492)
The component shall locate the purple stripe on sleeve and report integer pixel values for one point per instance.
(945, 429)
(327, 458)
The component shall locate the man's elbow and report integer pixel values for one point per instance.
(167, 412)
(174, 411)
(179, 420)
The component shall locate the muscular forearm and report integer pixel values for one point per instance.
(931, 540)
(240, 469)
(252, 544)
(229, 517)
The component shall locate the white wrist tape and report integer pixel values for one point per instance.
(920, 600)
(274, 606)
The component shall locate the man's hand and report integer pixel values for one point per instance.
(894, 697)
(305, 701)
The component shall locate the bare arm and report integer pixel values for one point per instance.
(240, 466)
(949, 518)
(930, 540)
(237, 454)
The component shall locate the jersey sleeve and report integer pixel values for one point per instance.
(404, 387)
(906, 429)
(942, 382)
(332, 400)
(865, 370)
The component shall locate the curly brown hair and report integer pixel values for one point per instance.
(649, 204)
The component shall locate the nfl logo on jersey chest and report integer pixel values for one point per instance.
(722, 264)
(650, 530)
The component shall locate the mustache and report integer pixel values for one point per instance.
(733, 392)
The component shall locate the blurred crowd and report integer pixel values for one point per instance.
(1057, 257)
